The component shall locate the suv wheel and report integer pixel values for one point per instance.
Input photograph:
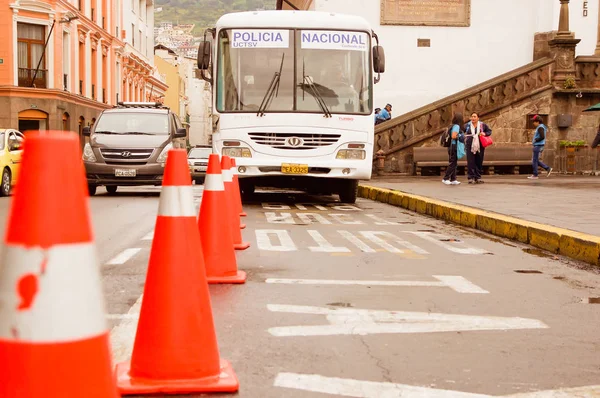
(92, 189)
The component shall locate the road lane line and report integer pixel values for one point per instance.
(124, 256)
(356, 241)
(324, 245)
(345, 321)
(301, 206)
(362, 388)
(311, 218)
(149, 236)
(460, 284)
(456, 283)
(122, 336)
(345, 219)
(380, 221)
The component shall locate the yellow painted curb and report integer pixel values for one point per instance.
(568, 243)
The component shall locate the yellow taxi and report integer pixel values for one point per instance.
(11, 151)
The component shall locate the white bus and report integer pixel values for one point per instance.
(293, 98)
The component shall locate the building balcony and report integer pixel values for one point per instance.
(26, 78)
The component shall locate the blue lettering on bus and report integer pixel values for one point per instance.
(324, 38)
(250, 39)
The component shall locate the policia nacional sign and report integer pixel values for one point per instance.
(426, 12)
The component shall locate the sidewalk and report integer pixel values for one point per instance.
(571, 202)
(560, 213)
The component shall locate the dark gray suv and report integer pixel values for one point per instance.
(128, 145)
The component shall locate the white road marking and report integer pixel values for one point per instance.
(346, 208)
(310, 218)
(437, 239)
(578, 392)
(357, 242)
(119, 317)
(345, 219)
(122, 336)
(284, 218)
(380, 221)
(275, 206)
(324, 245)
(362, 388)
(456, 283)
(344, 321)
(124, 256)
(374, 236)
(301, 206)
(263, 240)
(149, 236)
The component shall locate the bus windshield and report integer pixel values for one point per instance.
(280, 70)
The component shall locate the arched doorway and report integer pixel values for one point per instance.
(66, 121)
(33, 119)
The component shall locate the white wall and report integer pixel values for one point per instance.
(499, 39)
(143, 22)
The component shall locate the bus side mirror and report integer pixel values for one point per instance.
(180, 133)
(204, 55)
(378, 59)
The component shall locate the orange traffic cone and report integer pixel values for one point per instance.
(54, 340)
(175, 349)
(236, 190)
(233, 211)
(215, 233)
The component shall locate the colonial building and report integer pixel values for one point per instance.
(64, 61)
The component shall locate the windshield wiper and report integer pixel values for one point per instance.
(105, 132)
(308, 82)
(273, 89)
(137, 133)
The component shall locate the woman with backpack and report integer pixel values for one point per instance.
(455, 136)
(475, 150)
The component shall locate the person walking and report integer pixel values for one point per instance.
(456, 136)
(475, 151)
(539, 140)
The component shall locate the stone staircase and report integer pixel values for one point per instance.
(503, 102)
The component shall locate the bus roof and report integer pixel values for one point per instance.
(292, 19)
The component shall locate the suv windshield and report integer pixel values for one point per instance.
(200, 153)
(133, 122)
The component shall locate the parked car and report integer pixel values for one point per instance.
(11, 152)
(198, 162)
(129, 145)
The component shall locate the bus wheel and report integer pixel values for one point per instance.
(348, 191)
(247, 189)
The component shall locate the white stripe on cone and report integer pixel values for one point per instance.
(234, 171)
(60, 290)
(177, 201)
(227, 177)
(214, 182)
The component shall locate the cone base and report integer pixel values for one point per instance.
(243, 214)
(226, 381)
(242, 226)
(240, 277)
(241, 246)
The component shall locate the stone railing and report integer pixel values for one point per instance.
(587, 73)
(395, 138)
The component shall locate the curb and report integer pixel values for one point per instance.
(576, 245)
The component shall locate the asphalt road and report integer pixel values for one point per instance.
(370, 301)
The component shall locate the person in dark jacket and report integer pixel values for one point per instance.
(539, 141)
(596, 141)
(450, 177)
(475, 153)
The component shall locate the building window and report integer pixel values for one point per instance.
(94, 72)
(66, 64)
(133, 35)
(81, 68)
(141, 9)
(30, 40)
(104, 78)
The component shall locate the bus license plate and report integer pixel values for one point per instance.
(294, 168)
(125, 172)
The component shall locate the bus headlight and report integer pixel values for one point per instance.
(351, 154)
(237, 152)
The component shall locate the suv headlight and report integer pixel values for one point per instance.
(351, 154)
(237, 152)
(162, 158)
(88, 153)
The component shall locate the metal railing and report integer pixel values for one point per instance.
(26, 78)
